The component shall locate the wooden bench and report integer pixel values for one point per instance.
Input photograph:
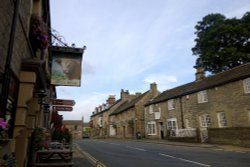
(55, 164)
(54, 157)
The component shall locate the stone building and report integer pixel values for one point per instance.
(155, 118)
(100, 118)
(210, 104)
(75, 127)
(102, 124)
(128, 118)
(24, 70)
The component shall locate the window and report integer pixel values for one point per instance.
(151, 128)
(151, 109)
(172, 124)
(188, 123)
(205, 120)
(202, 96)
(222, 119)
(100, 121)
(249, 115)
(171, 104)
(157, 115)
(247, 85)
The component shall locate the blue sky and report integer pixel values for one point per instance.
(132, 43)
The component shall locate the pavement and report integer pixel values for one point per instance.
(201, 145)
(79, 158)
(83, 159)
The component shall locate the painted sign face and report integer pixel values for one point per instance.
(66, 69)
(71, 68)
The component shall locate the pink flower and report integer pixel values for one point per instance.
(3, 123)
(45, 143)
(39, 34)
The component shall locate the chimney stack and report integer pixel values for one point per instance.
(111, 99)
(124, 94)
(153, 87)
(200, 73)
(138, 93)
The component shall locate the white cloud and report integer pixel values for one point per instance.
(132, 43)
(87, 68)
(163, 81)
(239, 12)
(84, 106)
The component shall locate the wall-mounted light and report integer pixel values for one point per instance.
(40, 94)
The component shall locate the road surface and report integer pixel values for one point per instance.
(129, 153)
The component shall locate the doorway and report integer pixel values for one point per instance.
(124, 132)
(161, 130)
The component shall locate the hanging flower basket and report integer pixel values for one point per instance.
(4, 126)
(38, 33)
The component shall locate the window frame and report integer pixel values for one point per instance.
(172, 126)
(205, 121)
(151, 126)
(188, 123)
(202, 96)
(246, 85)
(171, 104)
(151, 109)
(222, 120)
(100, 121)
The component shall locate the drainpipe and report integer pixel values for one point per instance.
(182, 117)
(7, 69)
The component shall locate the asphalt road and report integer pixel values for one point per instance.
(128, 153)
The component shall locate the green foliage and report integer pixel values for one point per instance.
(87, 129)
(59, 135)
(38, 137)
(222, 43)
(57, 75)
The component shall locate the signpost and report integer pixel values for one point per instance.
(63, 104)
(62, 108)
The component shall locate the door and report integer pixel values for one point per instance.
(161, 130)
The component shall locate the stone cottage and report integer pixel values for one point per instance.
(128, 119)
(218, 106)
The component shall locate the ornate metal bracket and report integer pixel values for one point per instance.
(57, 39)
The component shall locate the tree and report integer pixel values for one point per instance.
(222, 43)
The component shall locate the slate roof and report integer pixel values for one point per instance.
(72, 122)
(85, 124)
(234, 74)
(128, 104)
(117, 101)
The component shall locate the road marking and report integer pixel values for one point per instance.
(135, 148)
(115, 144)
(186, 160)
(103, 142)
(89, 157)
(240, 152)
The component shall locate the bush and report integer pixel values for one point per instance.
(60, 134)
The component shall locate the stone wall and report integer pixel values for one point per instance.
(234, 136)
(229, 98)
(21, 47)
(6, 14)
